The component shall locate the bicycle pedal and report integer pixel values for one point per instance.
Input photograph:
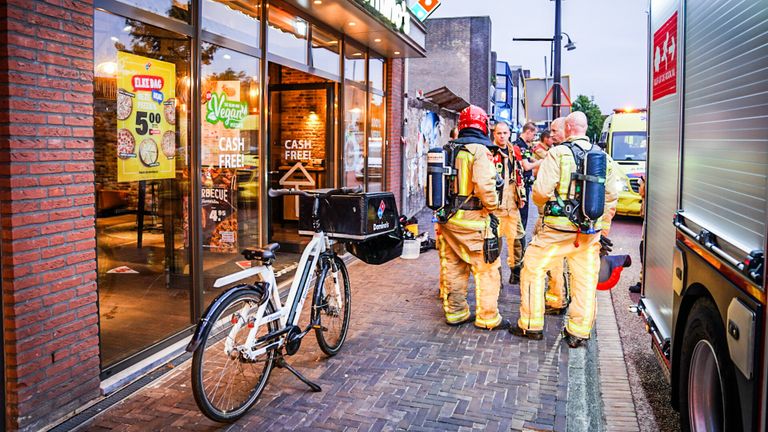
(319, 327)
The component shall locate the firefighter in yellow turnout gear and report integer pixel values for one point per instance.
(559, 238)
(512, 194)
(464, 237)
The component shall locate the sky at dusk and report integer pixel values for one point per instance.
(609, 61)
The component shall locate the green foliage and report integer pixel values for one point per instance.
(593, 113)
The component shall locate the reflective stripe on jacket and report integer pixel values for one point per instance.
(476, 177)
(555, 174)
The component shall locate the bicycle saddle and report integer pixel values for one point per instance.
(263, 254)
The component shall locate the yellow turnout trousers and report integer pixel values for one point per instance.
(456, 263)
(555, 294)
(548, 247)
(509, 224)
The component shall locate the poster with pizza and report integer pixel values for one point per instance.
(146, 118)
(219, 220)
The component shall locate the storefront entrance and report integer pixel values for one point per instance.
(301, 137)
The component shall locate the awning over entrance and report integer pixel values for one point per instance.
(447, 99)
(386, 26)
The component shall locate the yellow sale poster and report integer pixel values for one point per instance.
(146, 118)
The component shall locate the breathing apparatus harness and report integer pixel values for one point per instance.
(442, 194)
(587, 186)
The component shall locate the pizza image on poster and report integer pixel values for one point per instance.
(146, 118)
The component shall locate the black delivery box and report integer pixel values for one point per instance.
(354, 217)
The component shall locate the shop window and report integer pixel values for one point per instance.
(325, 51)
(238, 21)
(176, 9)
(354, 136)
(287, 35)
(141, 147)
(229, 138)
(376, 74)
(376, 134)
(354, 64)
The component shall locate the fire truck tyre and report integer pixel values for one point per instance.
(706, 383)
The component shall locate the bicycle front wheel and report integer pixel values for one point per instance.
(331, 306)
(226, 378)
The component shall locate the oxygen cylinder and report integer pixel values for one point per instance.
(595, 166)
(436, 180)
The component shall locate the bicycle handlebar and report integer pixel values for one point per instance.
(274, 193)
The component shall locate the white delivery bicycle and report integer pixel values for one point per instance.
(247, 331)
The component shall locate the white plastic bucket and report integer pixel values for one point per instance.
(411, 249)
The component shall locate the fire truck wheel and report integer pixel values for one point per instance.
(708, 397)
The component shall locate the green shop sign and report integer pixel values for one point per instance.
(393, 12)
(230, 113)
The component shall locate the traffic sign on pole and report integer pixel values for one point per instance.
(549, 98)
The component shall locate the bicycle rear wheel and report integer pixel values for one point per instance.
(332, 306)
(224, 382)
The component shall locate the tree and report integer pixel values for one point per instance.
(595, 117)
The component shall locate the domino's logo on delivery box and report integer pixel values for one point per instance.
(380, 214)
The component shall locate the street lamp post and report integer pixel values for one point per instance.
(555, 41)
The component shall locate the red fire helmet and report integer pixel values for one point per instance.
(475, 117)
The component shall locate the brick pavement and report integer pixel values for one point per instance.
(401, 368)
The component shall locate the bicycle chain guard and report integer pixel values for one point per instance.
(293, 340)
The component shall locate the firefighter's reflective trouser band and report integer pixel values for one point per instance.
(555, 295)
(546, 248)
(508, 226)
(456, 262)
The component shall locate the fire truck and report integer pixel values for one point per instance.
(704, 286)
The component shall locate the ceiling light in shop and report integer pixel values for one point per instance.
(352, 23)
(357, 54)
(397, 52)
(106, 69)
(318, 2)
(377, 40)
(301, 27)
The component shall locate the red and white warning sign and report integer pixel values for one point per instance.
(548, 101)
(665, 59)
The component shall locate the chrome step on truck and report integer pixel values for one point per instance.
(704, 286)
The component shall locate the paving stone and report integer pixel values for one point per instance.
(401, 368)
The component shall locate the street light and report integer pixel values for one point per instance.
(570, 46)
(555, 55)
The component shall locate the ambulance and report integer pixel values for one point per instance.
(624, 137)
(704, 299)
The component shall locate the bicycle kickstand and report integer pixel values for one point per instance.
(281, 363)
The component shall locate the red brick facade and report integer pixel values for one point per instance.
(47, 209)
(395, 85)
(47, 205)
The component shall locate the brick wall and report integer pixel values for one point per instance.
(462, 47)
(47, 209)
(394, 169)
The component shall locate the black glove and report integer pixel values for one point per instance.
(494, 225)
(491, 249)
(606, 245)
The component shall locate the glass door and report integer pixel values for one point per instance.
(300, 145)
